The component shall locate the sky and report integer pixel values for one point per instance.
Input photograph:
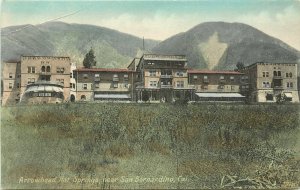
(158, 19)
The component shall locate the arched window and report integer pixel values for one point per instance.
(83, 97)
(290, 74)
(275, 74)
(48, 68)
(279, 73)
(43, 68)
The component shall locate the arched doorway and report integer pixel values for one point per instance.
(83, 97)
(72, 98)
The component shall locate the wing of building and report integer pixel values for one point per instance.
(265, 82)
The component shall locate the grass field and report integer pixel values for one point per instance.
(109, 146)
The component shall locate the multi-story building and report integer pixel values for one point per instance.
(104, 84)
(10, 86)
(162, 78)
(216, 85)
(44, 70)
(151, 78)
(268, 80)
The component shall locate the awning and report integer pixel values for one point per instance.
(112, 96)
(219, 95)
(44, 89)
(288, 95)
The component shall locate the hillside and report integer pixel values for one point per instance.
(220, 45)
(112, 48)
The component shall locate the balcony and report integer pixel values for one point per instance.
(277, 77)
(115, 79)
(278, 87)
(97, 79)
(45, 73)
(166, 86)
(166, 76)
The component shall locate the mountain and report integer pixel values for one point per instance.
(220, 45)
(112, 48)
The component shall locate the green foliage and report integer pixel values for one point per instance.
(89, 59)
(84, 139)
(240, 66)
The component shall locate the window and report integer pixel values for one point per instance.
(232, 88)
(18, 85)
(10, 75)
(47, 94)
(84, 86)
(61, 81)
(265, 74)
(126, 85)
(152, 73)
(97, 75)
(244, 79)
(266, 84)
(269, 97)
(232, 78)
(221, 77)
(60, 69)
(31, 69)
(195, 76)
(179, 73)
(289, 84)
(289, 75)
(10, 85)
(115, 77)
(85, 76)
(279, 73)
(97, 85)
(43, 69)
(153, 83)
(83, 97)
(115, 85)
(30, 80)
(126, 76)
(180, 84)
(71, 85)
(48, 69)
(205, 77)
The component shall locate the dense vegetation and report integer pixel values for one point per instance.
(206, 144)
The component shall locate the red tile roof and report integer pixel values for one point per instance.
(193, 71)
(102, 70)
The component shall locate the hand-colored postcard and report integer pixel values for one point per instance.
(150, 94)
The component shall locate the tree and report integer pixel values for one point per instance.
(89, 59)
(240, 66)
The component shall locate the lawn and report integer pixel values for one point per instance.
(113, 146)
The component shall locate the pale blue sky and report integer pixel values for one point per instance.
(161, 19)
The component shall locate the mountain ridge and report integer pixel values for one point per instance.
(112, 48)
(244, 44)
(209, 45)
